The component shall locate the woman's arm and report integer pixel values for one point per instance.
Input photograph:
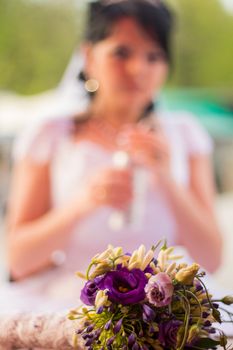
(194, 211)
(193, 206)
(36, 229)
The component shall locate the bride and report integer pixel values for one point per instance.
(76, 180)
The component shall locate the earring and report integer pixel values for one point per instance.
(91, 85)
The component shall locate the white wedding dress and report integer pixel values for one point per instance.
(71, 164)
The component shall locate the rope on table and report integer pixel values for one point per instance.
(30, 331)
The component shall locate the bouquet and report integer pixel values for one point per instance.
(140, 301)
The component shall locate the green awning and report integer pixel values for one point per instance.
(218, 119)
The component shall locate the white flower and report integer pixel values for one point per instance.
(171, 268)
(162, 260)
(101, 299)
(165, 258)
(140, 259)
(147, 259)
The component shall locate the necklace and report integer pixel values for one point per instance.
(106, 127)
(100, 131)
(103, 132)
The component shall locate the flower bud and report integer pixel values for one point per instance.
(90, 328)
(100, 270)
(154, 268)
(134, 265)
(131, 339)
(89, 342)
(133, 258)
(86, 336)
(118, 251)
(148, 313)
(162, 260)
(104, 255)
(216, 314)
(199, 288)
(117, 326)
(171, 268)
(147, 259)
(187, 274)
(101, 299)
(97, 333)
(108, 325)
(223, 340)
(169, 250)
(80, 275)
(227, 300)
(141, 252)
(110, 340)
(135, 346)
(100, 310)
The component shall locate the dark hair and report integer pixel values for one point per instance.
(153, 16)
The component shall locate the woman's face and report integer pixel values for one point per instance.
(129, 65)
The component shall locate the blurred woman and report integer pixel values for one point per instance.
(73, 183)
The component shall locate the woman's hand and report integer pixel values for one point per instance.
(109, 187)
(149, 148)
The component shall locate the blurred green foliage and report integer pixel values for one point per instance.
(37, 39)
(203, 44)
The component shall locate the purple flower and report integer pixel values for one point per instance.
(159, 289)
(168, 333)
(124, 287)
(111, 340)
(117, 326)
(89, 291)
(148, 314)
(108, 325)
(131, 339)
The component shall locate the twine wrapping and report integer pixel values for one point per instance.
(37, 331)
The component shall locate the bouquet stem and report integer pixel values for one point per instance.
(31, 331)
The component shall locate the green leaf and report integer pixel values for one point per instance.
(207, 343)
